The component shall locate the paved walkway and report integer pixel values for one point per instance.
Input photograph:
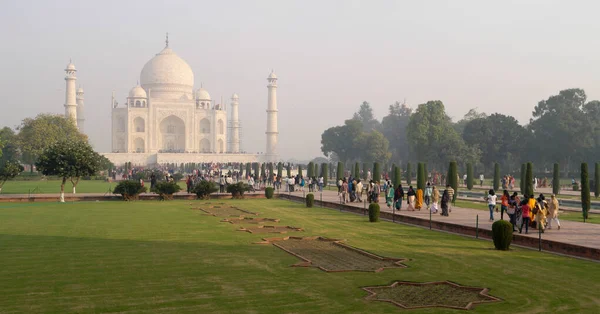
(579, 233)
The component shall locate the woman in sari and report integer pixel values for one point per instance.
(389, 197)
(435, 198)
(445, 201)
(398, 196)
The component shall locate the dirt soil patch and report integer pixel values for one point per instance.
(446, 294)
(249, 220)
(331, 255)
(270, 229)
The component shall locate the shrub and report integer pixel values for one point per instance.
(502, 234)
(269, 192)
(585, 190)
(237, 190)
(177, 176)
(310, 200)
(165, 190)
(129, 189)
(204, 188)
(374, 212)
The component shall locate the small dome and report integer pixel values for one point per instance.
(202, 94)
(137, 92)
(70, 67)
(272, 75)
(235, 96)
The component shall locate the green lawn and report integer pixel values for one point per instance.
(53, 186)
(93, 257)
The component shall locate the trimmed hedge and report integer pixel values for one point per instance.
(204, 189)
(502, 234)
(165, 190)
(130, 189)
(310, 200)
(374, 212)
(269, 192)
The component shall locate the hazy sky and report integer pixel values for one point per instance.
(499, 56)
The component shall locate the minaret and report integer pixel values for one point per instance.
(272, 132)
(235, 125)
(70, 97)
(80, 109)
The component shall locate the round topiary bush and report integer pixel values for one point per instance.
(374, 212)
(310, 200)
(269, 192)
(502, 234)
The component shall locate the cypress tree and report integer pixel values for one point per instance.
(248, 169)
(280, 169)
(364, 168)
(316, 171)
(556, 179)
(421, 176)
(263, 172)
(300, 170)
(271, 172)
(356, 170)
(529, 179)
(522, 179)
(241, 165)
(288, 169)
(340, 171)
(425, 171)
(453, 178)
(469, 176)
(393, 173)
(397, 176)
(585, 191)
(376, 172)
(324, 173)
(597, 180)
(408, 174)
(310, 171)
(496, 176)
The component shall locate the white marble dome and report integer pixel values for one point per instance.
(202, 94)
(137, 92)
(168, 73)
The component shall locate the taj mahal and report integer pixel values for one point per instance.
(164, 120)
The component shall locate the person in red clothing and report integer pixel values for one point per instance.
(504, 206)
(526, 210)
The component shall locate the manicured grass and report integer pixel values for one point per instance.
(53, 186)
(162, 257)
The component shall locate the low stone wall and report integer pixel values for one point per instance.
(547, 245)
(112, 197)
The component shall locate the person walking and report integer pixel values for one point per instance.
(435, 198)
(398, 197)
(542, 210)
(427, 194)
(481, 179)
(513, 210)
(445, 202)
(358, 188)
(553, 212)
(451, 194)
(491, 200)
(411, 196)
(344, 192)
(526, 214)
(390, 196)
(504, 199)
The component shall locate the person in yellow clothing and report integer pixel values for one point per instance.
(540, 217)
(419, 202)
(531, 203)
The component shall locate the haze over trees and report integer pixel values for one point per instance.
(563, 128)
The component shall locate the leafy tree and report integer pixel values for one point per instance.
(528, 184)
(366, 117)
(496, 176)
(373, 146)
(495, 136)
(376, 172)
(9, 146)
(556, 179)
(421, 176)
(393, 127)
(408, 173)
(342, 140)
(431, 136)
(339, 171)
(469, 116)
(469, 176)
(8, 170)
(68, 159)
(38, 134)
(585, 191)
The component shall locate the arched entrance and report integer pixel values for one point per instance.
(172, 135)
(221, 146)
(205, 146)
(139, 125)
(139, 145)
